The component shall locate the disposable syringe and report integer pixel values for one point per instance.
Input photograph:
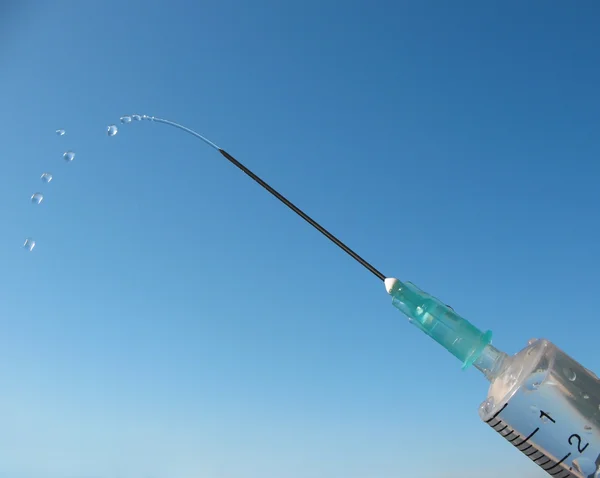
(540, 400)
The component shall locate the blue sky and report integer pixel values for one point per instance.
(176, 321)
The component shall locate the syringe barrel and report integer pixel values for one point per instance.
(457, 335)
(547, 405)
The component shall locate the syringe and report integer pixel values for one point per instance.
(540, 400)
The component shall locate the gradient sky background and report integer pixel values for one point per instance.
(175, 321)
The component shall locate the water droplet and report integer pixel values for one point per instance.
(146, 117)
(486, 407)
(46, 177)
(69, 156)
(533, 385)
(29, 244)
(112, 130)
(136, 117)
(585, 396)
(126, 119)
(570, 374)
(532, 341)
(37, 198)
(60, 132)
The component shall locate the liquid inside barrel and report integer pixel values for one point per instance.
(547, 406)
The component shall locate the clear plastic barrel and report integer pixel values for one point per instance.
(547, 405)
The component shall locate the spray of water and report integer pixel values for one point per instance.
(46, 177)
(112, 130)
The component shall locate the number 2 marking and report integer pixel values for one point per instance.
(578, 438)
